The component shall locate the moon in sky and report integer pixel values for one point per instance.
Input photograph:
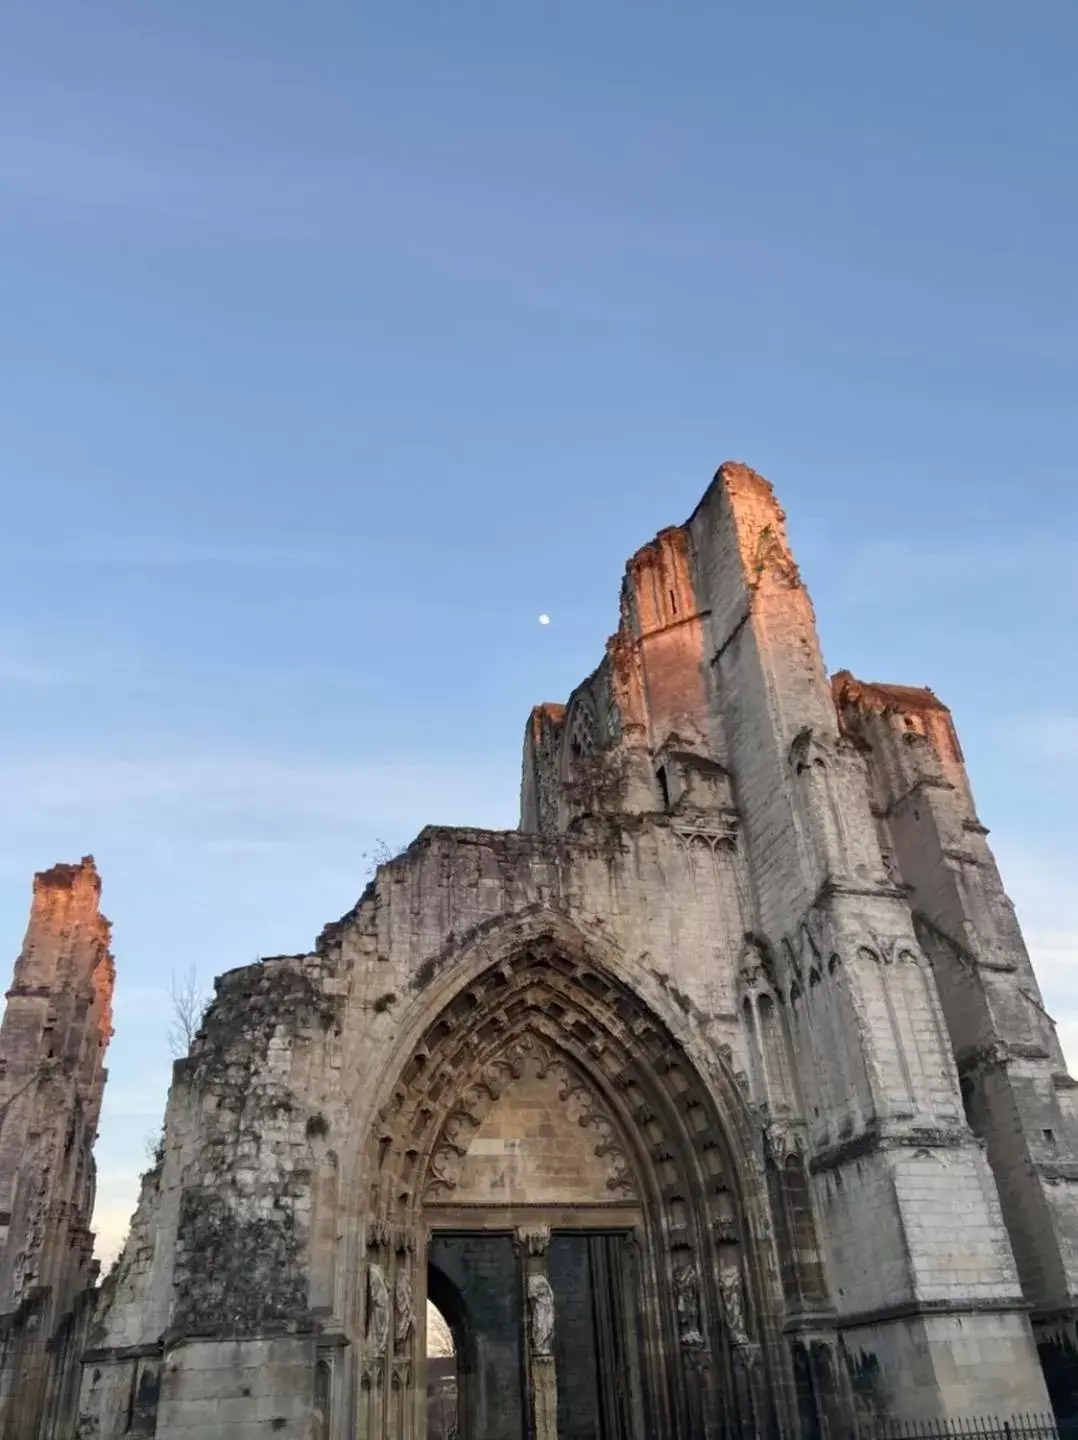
(544, 619)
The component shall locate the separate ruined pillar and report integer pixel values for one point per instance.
(542, 1376)
(909, 1210)
(1018, 1096)
(56, 1027)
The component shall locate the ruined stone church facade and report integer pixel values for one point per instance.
(719, 1099)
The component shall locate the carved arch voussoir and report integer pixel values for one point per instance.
(493, 948)
(673, 1106)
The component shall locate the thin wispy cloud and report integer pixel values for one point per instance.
(136, 552)
(17, 673)
(109, 180)
(1039, 877)
(210, 787)
(27, 662)
(1050, 737)
(479, 220)
(59, 167)
(966, 564)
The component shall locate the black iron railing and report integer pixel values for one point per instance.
(976, 1427)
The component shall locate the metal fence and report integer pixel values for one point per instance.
(976, 1427)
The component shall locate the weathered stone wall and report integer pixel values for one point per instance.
(220, 1247)
(540, 784)
(296, 1056)
(56, 1027)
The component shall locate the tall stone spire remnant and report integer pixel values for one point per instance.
(56, 1027)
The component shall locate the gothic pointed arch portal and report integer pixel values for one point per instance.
(551, 1150)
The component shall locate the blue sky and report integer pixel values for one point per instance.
(340, 340)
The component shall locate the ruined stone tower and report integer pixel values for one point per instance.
(716, 1100)
(56, 1027)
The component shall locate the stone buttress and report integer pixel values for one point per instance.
(1019, 1099)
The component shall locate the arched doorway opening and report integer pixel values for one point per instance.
(589, 1199)
(442, 1384)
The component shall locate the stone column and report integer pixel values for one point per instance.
(404, 1342)
(542, 1375)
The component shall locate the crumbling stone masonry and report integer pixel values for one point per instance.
(718, 1099)
(56, 1027)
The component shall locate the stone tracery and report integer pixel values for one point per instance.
(582, 728)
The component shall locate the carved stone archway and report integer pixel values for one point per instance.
(705, 1292)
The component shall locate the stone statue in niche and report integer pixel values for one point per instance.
(783, 1141)
(687, 1299)
(18, 1278)
(405, 1306)
(541, 1315)
(733, 1305)
(377, 1310)
(725, 1228)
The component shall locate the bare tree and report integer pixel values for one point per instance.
(154, 1146)
(188, 1010)
(381, 854)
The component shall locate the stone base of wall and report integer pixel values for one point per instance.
(936, 1367)
(238, 1390)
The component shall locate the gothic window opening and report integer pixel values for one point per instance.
(583, 731)
(802, 1225)
(473, 1281)
(664, 786)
